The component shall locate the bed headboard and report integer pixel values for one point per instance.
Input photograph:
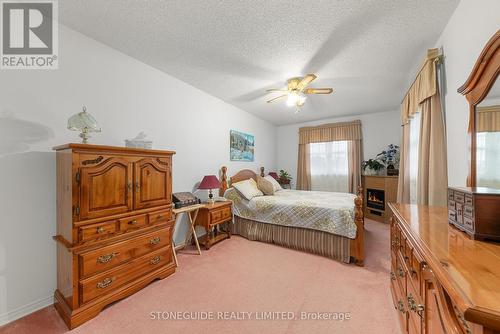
(242, 175)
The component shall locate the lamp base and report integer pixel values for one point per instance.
(210, 197)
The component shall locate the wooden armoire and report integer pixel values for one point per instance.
(114, 225)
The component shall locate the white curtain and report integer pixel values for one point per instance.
(413, 153)
(488, 159)
(329, 166)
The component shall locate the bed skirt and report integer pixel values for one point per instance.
(306, 240)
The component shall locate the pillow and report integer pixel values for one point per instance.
(275, 183)
(265, 185)
(248, 188)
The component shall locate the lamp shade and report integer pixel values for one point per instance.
(83, 120)
(274, 175)
(209, 182)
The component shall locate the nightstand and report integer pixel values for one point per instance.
(211, 217)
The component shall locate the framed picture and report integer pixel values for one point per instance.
(241, 146)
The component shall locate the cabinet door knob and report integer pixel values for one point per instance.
(100, 230)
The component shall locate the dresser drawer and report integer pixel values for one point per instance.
(98, 285)
(132, 223)
(219, 215)
(469, 223)
(451, 196)
(160, 216)
(451, 205)
(459, 197)
(468, 211)
(468, 200)
(105, 258)
(452, 215)
(96, 231)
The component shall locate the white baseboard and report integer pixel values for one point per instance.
(25, 310)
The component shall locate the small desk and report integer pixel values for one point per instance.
(192, 213)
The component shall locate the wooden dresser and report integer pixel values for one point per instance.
(114, 225)
(441, 280)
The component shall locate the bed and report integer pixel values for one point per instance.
(323, 223)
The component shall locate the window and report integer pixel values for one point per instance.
(488, 159)
(329, 166)
(414, 141)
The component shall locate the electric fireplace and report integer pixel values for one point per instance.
(375, 199)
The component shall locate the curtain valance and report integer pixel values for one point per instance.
(331, 132)
(488, 119)
(423, 87)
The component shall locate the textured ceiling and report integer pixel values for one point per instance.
(235, 50)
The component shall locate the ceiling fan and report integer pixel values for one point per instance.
(297, 90)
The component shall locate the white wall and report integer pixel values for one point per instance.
(379, 130)
(126, 96)
(472, 24)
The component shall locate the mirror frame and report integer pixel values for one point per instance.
(475, 89)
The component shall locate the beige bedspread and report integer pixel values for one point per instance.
(324, 211)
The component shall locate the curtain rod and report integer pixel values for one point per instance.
(432, 54)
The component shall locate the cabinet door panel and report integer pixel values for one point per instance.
(152, 183)
(105, 188)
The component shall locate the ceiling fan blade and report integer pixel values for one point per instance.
(305, 81)
(318, 91)
(292, 83)
(277, 98)
(276, 90)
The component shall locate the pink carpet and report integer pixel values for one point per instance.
(238, 275)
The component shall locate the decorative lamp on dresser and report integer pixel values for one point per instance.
(114, 225)
(442, 281)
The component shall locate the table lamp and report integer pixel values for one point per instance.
(209, 182)
(85, 123)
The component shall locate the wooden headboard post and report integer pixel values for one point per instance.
(223, 181)
(262, 172)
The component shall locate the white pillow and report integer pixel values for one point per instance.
(275, 183)
(248, 188)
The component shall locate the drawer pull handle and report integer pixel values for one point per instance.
(412, 271)
(401, 272)
(411, 302)
(159, 217)
(393, 276)
(155, 260)
(133, 222)
(105, 283)
(420, 310)
(401, 306)
(155, 241)
(101, 230)
(106, 258)
(406, 258)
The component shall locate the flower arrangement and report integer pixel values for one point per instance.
(284, 177)
(373, 164)
(388, 158)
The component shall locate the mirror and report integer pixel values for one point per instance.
(488, 139)
(482, 90)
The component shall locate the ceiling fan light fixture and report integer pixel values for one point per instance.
(295, 98)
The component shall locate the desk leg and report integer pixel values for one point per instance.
(175, 255)
(192, 220)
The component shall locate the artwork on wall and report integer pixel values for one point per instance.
(241, 146)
